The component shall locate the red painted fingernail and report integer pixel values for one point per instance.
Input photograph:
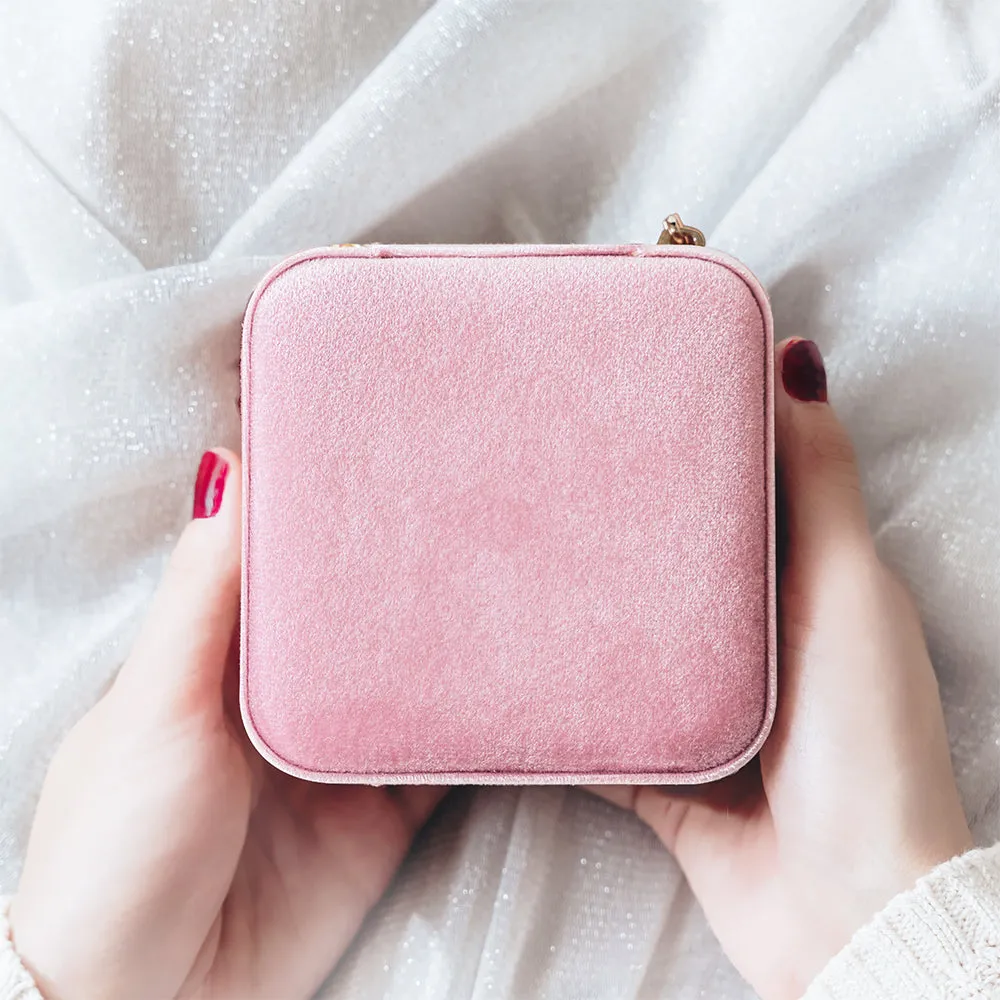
(802, 372)
(209, 485)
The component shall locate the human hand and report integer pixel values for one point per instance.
(852, 798)
(167, 859)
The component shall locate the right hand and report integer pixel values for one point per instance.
(853, 796)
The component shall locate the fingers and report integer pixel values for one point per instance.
(415, 804)
(696, 823)
(180, 655)
(820, 485)
(622, 796)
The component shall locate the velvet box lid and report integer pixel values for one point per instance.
(508, 515)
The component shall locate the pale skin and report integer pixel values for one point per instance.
(168, 860)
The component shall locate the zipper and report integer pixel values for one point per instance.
(677, 234)
(674, 233)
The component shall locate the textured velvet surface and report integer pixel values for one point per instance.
(508, 514)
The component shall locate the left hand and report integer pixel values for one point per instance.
(167, 859)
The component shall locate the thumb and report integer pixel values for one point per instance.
(820, 486)
(180, 655)
(824, 520)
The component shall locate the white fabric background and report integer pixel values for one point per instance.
(155, 158)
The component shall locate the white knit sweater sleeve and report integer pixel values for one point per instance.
(15, 982)
(939, 941)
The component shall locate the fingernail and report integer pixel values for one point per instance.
(802, 372)
(209, 485)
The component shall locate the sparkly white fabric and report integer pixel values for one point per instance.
(155, 158)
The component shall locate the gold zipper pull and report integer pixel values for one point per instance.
(676, 233)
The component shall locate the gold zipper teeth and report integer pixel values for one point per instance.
(675, 233)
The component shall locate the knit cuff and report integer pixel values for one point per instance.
(938, 941)
(15, 981)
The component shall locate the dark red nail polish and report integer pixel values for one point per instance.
(802, 372)
(209, 485)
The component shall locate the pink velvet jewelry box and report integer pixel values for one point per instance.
(508, 515)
